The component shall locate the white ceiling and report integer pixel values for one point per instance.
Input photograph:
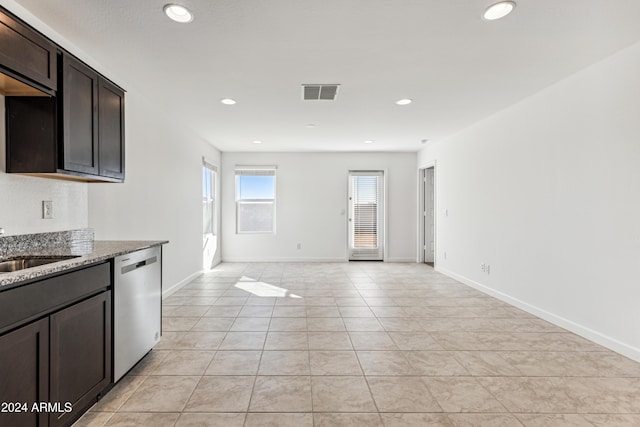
(456, 67)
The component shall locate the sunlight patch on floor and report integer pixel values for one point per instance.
(263, 289)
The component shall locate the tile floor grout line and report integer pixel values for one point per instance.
(333, 287)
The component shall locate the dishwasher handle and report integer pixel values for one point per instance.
(131, 267)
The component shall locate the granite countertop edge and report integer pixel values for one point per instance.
(101, 250)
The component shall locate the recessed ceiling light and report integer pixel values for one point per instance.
(257, 142)
(228, 101)
(178, 13)
(498, 10)
(368, 141)
(405, 101)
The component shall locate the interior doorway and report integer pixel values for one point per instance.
(366, 216)
(428, 215)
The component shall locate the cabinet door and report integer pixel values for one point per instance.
(26, 53)
(80, 355)
(111, 135)
(24, 373)
(79, 117)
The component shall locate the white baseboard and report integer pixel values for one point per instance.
(301, 259)
(310, 259)
(180, 284)
(585, 332)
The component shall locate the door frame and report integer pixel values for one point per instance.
(385, 209)
(421, 230)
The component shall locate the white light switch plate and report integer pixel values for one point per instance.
(47, 209)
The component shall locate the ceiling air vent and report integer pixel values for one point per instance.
(319, 92)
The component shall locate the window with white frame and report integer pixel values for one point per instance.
(255, 199)
(209, 220)
(209, 175)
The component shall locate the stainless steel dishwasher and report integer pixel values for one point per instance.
(137, 304)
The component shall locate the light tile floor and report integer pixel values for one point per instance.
(363, 344)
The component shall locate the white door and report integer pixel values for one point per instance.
(366, 215)
(429, 216)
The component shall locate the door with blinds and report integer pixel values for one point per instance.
(366, 215)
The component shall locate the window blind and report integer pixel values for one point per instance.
(256, 170)
(366, 211)
(209, 165)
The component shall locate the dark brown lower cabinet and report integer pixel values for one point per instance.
(53, 369)
(80, 356)
(24, 375)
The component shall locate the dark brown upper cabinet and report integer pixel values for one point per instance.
(92, 128)
(63, 119)
(79, 110)
(111, 129)
(25, 57)
(77, 135)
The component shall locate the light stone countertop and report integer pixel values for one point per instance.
(87, 254)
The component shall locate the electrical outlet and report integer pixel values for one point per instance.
(483, 267)
(299, 246)
(445, 255)
(47, 209)
(488, 269)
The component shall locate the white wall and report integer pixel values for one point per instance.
(21, 198)
(161, 198)
(548, 193)
(311, 193)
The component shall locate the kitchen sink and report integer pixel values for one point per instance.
(30, 261)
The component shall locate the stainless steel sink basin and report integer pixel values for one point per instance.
(27, 262)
